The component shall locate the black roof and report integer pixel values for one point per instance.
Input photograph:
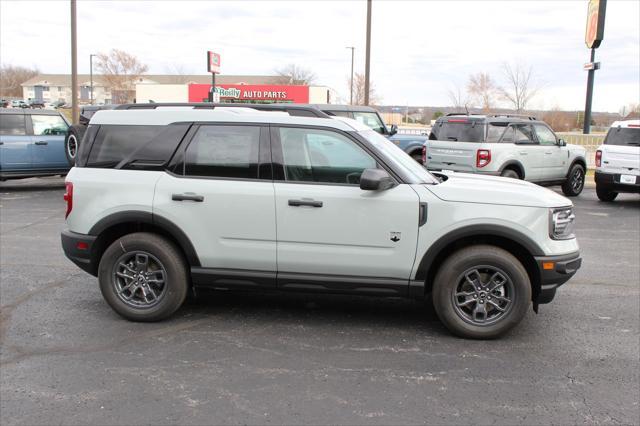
(28, 111)
(292, 109)
(493, 118)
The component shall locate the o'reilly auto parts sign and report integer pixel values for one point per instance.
(251, 92)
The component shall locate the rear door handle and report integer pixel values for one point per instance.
(310, 203)
(523, 152)
(548, 153)
(187, 197)
(42, 143)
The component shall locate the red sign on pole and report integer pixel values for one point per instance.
(213, 62)
(595, 23)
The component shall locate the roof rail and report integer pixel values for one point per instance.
(528, 117)
(460, 113)
(291, 109)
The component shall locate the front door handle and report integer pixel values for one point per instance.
(42, 143)
(523, 152)
(548, 153)
(310, 203)
(187, 197)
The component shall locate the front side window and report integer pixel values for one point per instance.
(224, 152)
(12, 125)
(48, 125)
(370, 119)
(312, 155)
(545, 135)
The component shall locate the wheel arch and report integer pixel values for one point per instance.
(521, 246)
(578, 160)
(114, 226)
(514, 165)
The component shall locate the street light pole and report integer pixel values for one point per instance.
(352, 50)
(74, 65)
(91, 74)
(368, 55)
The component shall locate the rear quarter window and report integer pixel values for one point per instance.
(623, 136)
(12, 125)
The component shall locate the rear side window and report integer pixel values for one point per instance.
(12, 125)
(115, 144)
(224, 152)
(524, 134)
(458, 131)
(623, 136)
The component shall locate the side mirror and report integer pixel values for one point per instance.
(375, 180)
(393, 130)
(561, 142)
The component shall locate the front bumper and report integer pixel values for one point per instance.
(611, 182)
(555, 271)
(78, 248)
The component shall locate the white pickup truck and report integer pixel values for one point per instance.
(503, 145)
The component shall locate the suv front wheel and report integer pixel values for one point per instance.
(574, 183)
(481, 292)
(143, 277)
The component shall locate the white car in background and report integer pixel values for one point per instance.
(618, 161)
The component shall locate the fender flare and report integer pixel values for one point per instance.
(580, 160)
(516, 163)
(480, 230)
(132, 216)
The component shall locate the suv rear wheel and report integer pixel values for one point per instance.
(481, 292)
(605, 194)
(510, 173)
(143, 277)
(574, 183)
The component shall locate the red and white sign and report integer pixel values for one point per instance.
(213, 62)
(251, 92)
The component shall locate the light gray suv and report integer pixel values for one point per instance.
(517, 147)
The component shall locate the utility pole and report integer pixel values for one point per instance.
(91, 74)
(368, 55)
(586, 126)
(74, 65)
(352, 50)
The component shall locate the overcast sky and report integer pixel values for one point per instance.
(420, 49)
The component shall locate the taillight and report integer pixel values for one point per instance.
(68, 197)
(483, 157)
(598, 158)
(424, 155)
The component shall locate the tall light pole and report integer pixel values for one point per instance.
(74, 65)
(91, 73)
(352, 50)
(368, 55)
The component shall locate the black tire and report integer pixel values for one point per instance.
(516, 289)
(71, 145)
(417, 155)
(605, 194)
(510, 173)
(162, 255)
(574, 184)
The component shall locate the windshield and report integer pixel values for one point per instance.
(398, 157)
(458, 130)
(370, 119)
(623, 136)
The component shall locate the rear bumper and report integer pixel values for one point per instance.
(611, 182)
(78, 248)
(555, 271)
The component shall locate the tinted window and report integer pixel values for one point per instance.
(312, 155)
(509, 135)
(495, 132)
(12, 125)
(115, 143)
(623, 136)
(370, 119)
(545, 135)
(524, 134)
(462, 130)
(48, 125)
(224, 151)
(340, 113)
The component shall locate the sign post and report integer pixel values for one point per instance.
(593, 37)
(213, 66)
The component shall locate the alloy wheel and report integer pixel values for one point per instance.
(139, 279)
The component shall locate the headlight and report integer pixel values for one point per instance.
(561, 223)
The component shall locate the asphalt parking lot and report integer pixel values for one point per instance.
(67, 358)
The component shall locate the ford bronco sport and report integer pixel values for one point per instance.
(162, 201)
(505, 145)
(618, 161)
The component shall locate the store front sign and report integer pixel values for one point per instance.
(251, 92)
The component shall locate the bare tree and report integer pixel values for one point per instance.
(120, 70)
(358, 91)
(520, 86)
(482, 89)
(11, 78)
(178, 73)
(295, 74)
(458, 98)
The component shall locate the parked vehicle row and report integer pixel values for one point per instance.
(228, 197)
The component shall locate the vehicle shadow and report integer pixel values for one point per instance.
(32, 184)
(312, 309)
